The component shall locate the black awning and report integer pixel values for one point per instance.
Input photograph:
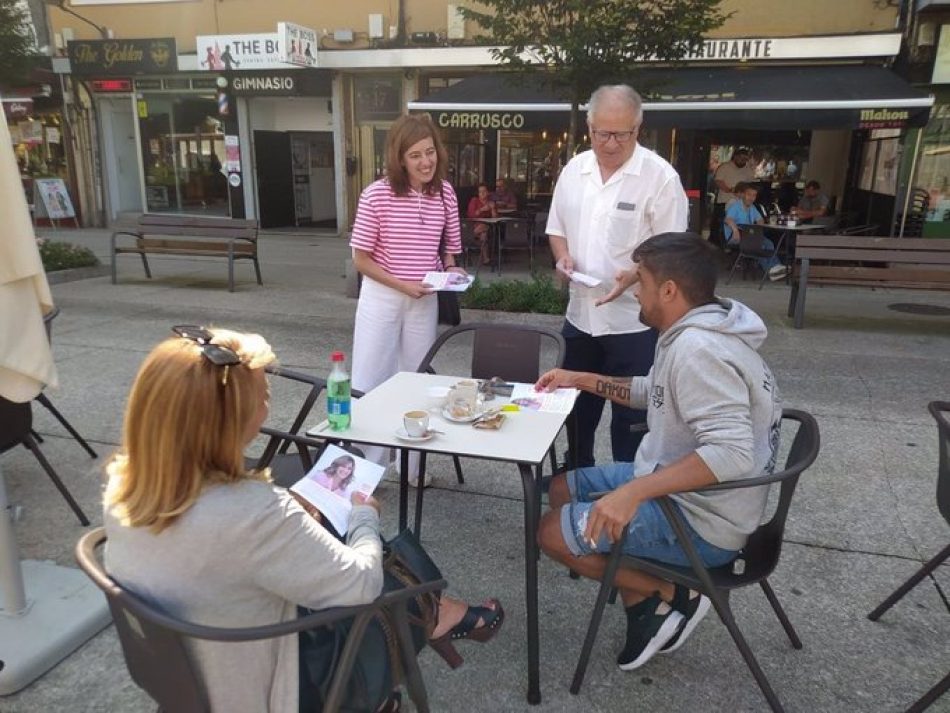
(829, 97)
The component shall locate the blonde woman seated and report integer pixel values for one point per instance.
(192, 531)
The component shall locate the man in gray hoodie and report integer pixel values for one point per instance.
(713, 413)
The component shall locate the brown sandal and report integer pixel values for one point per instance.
(492, 616)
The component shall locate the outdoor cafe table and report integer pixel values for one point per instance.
(523, 439)
(496, 228)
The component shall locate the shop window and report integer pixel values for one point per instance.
(182, 149)
(39, 149)
(933, 173)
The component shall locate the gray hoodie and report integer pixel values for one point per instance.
(710, 392)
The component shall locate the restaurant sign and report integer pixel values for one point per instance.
(481, 120)
(883, 118)
(123, 57)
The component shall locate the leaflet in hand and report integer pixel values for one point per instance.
(581, 278)
(448, 281)
(557, 401)
(335, 477)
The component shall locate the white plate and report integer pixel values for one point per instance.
(403, 436)
(447, 415)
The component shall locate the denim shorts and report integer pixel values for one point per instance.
(650, 534)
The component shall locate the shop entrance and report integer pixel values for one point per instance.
(120, 155)
(295, 179)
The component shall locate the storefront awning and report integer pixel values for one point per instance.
(764, 98)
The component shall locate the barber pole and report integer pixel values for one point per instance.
(223, 109)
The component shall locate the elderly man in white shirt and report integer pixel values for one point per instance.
(606, 202)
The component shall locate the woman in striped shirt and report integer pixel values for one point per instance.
(403, 222)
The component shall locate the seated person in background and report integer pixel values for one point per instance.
(714, 415)
(813, 203)
(192, 531)
(745, 212)
(503, 197)
(482, 206)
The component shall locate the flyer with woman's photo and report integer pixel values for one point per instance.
(448, 281)
(333, 479)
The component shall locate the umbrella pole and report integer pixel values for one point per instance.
(12, 597)
(64, 610)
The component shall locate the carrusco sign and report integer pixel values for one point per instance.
(481, 120)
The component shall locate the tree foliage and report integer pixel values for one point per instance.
(577, 45)
(17, 48)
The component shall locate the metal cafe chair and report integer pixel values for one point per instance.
(43, 399)
(752, 248)
(153, 642)
(761, 555)
(509, 351)
(16, 421)
(287, 467)
(940, 410)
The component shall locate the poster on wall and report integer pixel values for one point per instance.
(297, 44)
(232, 154)
(51, 199)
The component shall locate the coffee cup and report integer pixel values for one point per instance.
(416, 423)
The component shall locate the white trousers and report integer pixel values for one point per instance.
(393, 332)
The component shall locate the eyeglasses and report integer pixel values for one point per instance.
(603, 137)
(215, 353)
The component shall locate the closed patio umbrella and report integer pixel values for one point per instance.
(50, 611)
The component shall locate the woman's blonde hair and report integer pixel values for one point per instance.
(185, 427)
(406, 132)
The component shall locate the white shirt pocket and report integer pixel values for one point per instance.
(623, 228)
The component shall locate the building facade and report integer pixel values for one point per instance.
(227, 127)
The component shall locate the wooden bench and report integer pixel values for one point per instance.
(919, 263)
(190, 235)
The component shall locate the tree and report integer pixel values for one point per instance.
(17, 49)
(577, 45)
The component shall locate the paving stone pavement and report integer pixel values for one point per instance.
(863, 519)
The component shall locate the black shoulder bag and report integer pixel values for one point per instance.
(450, 313)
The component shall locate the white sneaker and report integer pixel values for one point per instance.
(777, 272)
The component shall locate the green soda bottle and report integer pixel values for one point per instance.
(338, 394)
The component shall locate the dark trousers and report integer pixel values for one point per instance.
(716, 236)
(610, 355)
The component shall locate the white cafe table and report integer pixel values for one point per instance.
(523, 439)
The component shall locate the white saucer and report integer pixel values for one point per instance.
(447, 415)
(403, 436)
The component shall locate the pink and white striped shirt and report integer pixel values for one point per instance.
(402, 233)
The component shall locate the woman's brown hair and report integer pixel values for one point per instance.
(185, 427)
(405, 132)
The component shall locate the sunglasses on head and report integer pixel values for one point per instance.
(215, 353)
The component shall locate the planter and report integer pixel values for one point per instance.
(76, 273)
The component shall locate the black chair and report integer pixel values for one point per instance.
(509, 351)
(517, 235)
(286, 467)
(751, 249)
(44, 400)
(470, 246)
(940, 410)
(155, 654)
(16, 426)
(760, 554)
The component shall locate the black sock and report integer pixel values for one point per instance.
(680, 599)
